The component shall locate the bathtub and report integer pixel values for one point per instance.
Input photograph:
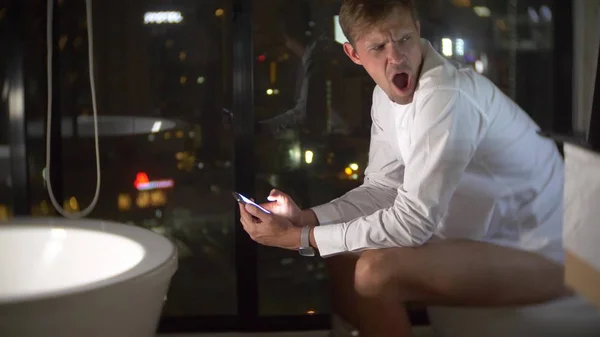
(65, 278)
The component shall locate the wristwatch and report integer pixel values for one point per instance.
(305, 248)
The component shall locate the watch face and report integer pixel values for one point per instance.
(306, 251)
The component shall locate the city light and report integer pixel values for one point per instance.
(73, 204)
(156, 126)
(295, 153)
(310, 312)
(219, 12)
(143, 199)
(353, 166)
(169, 17)
(157, 184)
(482, 11)
(124, 202)
(479, 66)
(348, 171)
(140, 178)
(271, 91)
(143, 183)
(460, 47)
(308, 156)
(158, 198)
(447, 47)
(200, 80)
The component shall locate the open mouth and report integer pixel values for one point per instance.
(400, 80)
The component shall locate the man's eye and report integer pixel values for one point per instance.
(404, 39)
(378, 48)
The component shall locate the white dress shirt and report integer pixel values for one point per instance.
(461, 161)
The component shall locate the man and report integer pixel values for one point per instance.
(462, 200)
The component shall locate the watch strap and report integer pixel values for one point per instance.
(305, 237)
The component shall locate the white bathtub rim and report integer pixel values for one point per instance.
(159, 261)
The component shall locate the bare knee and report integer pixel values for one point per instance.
(372, 277)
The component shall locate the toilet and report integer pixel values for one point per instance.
(569, 317)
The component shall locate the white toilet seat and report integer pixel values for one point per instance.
(569, 317)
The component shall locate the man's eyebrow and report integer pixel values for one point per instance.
(404, 32)
(375, 42)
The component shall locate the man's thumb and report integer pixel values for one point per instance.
(253, 210)
(275, 195)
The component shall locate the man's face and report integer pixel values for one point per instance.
(391, 54)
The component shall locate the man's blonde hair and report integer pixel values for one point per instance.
(359, 16)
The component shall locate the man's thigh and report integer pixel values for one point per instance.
(467, 273)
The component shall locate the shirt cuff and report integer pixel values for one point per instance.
(330, 239)
(327, 214)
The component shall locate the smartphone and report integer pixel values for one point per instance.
(242, 199)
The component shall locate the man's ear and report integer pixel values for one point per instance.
(351, 52)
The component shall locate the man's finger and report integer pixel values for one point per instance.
(253, 210)
(269, 205)
(244, 214)
(245, 224)
(275, 195)
(247, 221)
(248, 226)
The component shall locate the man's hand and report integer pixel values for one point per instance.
(269, 229)
(281, 204)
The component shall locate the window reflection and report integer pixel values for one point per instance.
(162, 79)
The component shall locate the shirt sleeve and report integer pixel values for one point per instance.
(383, 174)
(447, 129)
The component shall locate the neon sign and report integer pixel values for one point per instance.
(143, 183)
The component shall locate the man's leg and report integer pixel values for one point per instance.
(462, 273)
(352, 307)
(341, 269)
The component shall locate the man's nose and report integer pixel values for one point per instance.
(395, 54)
